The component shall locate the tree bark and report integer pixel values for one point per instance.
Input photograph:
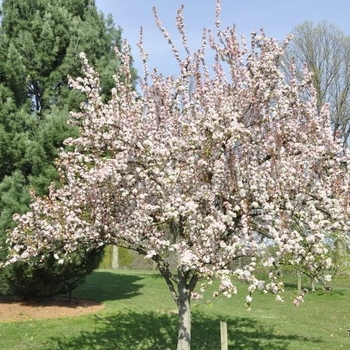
(186, 280)
(184, 336)
(340, 250)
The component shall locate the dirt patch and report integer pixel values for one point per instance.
(12, 309)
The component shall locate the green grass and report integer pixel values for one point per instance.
(139, 314)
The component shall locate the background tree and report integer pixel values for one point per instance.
(39, 44)
(326, 51)
(203, 168)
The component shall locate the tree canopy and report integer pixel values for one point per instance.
(40, 41)
(39, 44)
(325, 49)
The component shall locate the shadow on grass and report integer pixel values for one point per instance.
(331, 293)
(102, 286)
(157, 331)
(319, 290)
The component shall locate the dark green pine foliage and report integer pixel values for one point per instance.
(40, 41)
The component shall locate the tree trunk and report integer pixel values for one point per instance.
(313, 288)
(184, 336)
(341, 248)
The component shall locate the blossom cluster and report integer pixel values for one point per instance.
(213, 165)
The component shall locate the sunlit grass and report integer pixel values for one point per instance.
(139, 314)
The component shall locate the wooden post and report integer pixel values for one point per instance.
(115, 258)
(223, 334)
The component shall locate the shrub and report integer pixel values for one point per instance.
(35, 280)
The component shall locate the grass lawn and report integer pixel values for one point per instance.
(140, 314)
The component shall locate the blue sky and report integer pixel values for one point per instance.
(276, 17)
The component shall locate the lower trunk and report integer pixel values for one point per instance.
(186, 281)
(184, 336)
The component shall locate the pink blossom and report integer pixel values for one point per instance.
(298, 300)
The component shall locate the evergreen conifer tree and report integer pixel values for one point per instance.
(40, 41)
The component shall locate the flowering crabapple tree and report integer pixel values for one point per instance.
(206, 167)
